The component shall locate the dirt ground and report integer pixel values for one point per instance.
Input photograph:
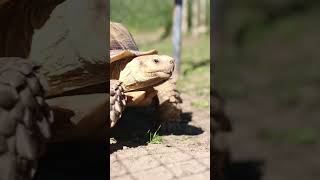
(183, 153)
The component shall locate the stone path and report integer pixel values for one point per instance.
(183, 156)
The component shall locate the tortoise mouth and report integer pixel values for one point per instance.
(146, 85)
(161, 74)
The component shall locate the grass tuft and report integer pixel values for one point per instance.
(154, 137)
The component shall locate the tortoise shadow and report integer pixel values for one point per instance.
(182, 127)
(132, 130)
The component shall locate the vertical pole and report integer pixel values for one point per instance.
(176, 38)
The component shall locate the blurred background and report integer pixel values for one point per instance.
(151, 24)
(267, 70)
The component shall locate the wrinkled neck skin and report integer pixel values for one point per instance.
(116, 68)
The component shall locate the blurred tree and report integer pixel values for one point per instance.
(185, 15)
(199, 23)
(195, 17)
(142, 15)
(248, 17)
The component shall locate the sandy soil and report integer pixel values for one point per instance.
(183, 154)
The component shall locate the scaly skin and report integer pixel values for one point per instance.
(25, 118)
(169, 101)
(117, 101)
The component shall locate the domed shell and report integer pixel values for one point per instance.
(122, 44)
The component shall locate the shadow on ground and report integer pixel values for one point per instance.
(247, 169)
(132, 129)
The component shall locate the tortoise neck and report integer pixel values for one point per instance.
(117, 67)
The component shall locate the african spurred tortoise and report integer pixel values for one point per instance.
(142, 75)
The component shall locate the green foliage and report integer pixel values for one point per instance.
(142, 15)
(195, 67)
(201, 104)
(146, 15)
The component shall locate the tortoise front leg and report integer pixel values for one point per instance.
(117, 101)
(25, 118)
(169, 101)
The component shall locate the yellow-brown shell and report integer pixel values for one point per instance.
(122, 44)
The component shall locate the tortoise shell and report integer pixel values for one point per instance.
(71, 64)
(122, 44)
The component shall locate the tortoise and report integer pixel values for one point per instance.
(141, 76)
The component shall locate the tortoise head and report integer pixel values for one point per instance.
(146, 71)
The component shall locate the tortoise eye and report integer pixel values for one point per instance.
(156, 60)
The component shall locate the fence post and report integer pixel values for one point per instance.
(176, 38)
